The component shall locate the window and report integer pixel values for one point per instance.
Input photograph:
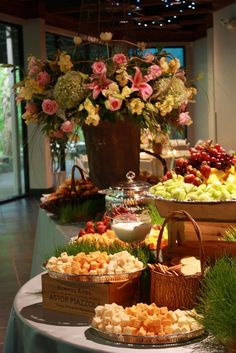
(12, 148)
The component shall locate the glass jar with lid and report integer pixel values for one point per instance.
(126, 205)
(129, 194)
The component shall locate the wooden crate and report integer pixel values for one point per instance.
(81, 298)
(182, 239)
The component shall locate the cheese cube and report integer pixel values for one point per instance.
(117, 329)
(129, 330)
(142, 331)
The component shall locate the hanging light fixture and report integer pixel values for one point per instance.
(181, 4)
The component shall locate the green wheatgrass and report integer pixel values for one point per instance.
(230, 234)
(217, 301)
(141, 251)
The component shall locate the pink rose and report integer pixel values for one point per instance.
(33, 66)
(181, 75)
(149, 57)
(184, 119)
(119, 59)
(99, 68)
(33, 71)
(49, 106)
(154, 71)
(31, 108)
(183, 106)
(43, 78)
(113, 104)
(67, 126)
(59, 134)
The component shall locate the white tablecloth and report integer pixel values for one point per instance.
(33, 329)
(49, 236)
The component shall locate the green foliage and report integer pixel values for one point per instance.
(89, 209)
(230, 234)
(154, 214)
(218, 300)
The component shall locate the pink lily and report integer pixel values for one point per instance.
(99, 83)
(139, 83)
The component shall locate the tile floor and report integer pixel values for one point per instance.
(17, 228)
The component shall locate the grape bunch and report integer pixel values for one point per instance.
(213, 155)
(202, 158)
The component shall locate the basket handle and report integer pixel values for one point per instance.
(73, 188)
(184, 214)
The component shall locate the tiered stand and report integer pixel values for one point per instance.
(213, 219)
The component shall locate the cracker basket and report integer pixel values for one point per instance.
(74, 192)
(177, 291)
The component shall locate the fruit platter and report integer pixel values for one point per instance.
(203, 185)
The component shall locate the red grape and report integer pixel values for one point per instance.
(189, 178)
(197, 181)
(205, 169)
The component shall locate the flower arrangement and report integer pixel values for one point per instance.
(62, 94)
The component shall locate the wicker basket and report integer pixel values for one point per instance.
(177, 292)
(77, 193)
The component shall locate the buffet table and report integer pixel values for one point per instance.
(49, 235)
(33, 329)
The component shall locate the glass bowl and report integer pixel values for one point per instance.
(131, 227)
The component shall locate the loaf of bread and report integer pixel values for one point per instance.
(190, 265)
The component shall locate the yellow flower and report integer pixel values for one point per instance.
(88, 105)
(106, 36)
(126, 91)
(65, 62)
(122, 77)
(167, 105)
(174, 65)
(29, 118)
(31, 87)
(137, 106)
(191, 91)
(112, 89)
(92, 119)
(77, 40)
(164, 65)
